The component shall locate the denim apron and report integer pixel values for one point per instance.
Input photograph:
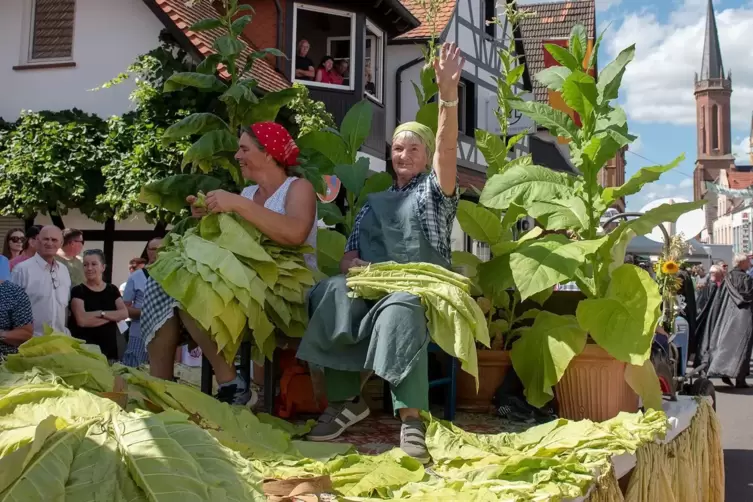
(389, 336)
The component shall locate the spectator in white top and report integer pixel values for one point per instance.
(133, 296)
(47, 282)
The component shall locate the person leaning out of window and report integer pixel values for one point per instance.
(97, 307)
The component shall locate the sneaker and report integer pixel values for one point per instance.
(413, 440)
(237, 392)
(338, 417)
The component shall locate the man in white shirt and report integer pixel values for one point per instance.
(46, 281)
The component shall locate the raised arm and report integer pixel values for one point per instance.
(448, 67)
(289, 229)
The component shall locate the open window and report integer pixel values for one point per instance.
(373, 62)
(324, 48)
(48, 31)
(466, 107)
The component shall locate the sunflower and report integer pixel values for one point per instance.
(670, 267)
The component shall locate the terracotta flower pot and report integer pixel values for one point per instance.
(492, 368)
(594, 387)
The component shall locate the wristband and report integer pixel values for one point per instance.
(448, 104)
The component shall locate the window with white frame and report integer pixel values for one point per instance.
(48, 31)
(324, 50)
(373, 61)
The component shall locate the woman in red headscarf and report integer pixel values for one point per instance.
(280, 204)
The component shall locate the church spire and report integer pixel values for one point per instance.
(712, 66)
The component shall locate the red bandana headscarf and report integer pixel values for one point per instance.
(277, 142)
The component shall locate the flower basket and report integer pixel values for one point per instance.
(492, 368)
(594, 387)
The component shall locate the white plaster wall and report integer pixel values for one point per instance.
(398, 55)
(122, 251)
(108, 36)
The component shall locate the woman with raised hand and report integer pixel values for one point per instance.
(281, 205)
(411, 222)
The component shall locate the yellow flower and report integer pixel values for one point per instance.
(670, 267)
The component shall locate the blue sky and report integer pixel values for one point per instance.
(657, 90)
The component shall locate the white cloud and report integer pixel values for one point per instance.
(658, 84)
(637, 145)
(654, 191)
(601, 5)
(742, 151)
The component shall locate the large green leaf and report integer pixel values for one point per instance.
(623, 321)
(478, 222)
(494, 151)
(553, 77)
(595, 154)
(579, 93)
(210, 23)
(240, 24)
(261, 53)
(356, 125)
(209, 145)
(643, 380)
(638, 180)
(513, 213)
(330, 248)
(179, 81)
(563, 56)
(612, 255)
(229, 46)
(542, 263)
(526, 185)
(171, 192)
(495, 276)
(330, 213)
(466, 263)
(561, 214)
(269, 106)
(428, 82)
(377, 182)
(353, 176)
(329, 144)
(209, 65)
(196, 123)
(558, 122)
(541, 356)
(428, 115)
(610, 77)
(578, 43)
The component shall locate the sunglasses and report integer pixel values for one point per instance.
(17, 239)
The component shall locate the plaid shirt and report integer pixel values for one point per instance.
(435, 210)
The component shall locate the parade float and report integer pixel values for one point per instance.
(74, 428)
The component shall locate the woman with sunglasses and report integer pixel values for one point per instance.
(97, 307)
(14, 243)
(29, 247)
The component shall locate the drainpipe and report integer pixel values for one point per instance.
(278, 59)
(398, 81)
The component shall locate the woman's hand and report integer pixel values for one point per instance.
(448, 68)
(220, 201)
(196, 212)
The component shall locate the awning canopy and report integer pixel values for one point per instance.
(642, 245)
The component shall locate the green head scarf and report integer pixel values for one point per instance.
(423, 132)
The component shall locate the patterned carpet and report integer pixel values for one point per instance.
(381, 432)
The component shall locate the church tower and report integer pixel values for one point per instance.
(712, 94)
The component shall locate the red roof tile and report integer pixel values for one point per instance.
(184, 17)
(739, 180)
(552, 20)
(446, 10)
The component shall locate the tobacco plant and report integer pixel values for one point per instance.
(622, 305)
(214, 136)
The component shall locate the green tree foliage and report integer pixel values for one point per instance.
(51, 162)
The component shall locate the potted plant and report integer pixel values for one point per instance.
(609, 336)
